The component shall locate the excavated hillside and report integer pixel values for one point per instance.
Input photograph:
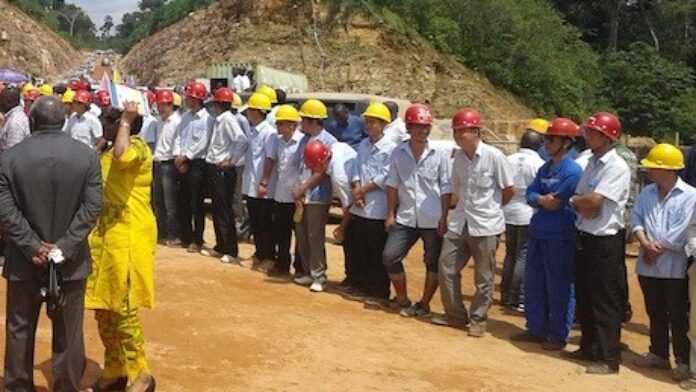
(28, 46)
(362, 54)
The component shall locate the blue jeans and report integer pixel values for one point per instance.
(401, 239)
(512, 285)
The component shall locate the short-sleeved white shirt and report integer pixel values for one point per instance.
(525, 164)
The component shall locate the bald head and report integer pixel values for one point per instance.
(47, 113)
(531, 140)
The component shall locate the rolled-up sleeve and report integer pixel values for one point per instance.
(638, 215)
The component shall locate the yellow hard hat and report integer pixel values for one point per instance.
(287, 113)
(313, 108)
(236, 101)
(27, 87)
(68, 96)
(259, 101)
(46, 89)
(269, 92)
(664, 156)
(177, 99)
(538, 125)
(378, 110)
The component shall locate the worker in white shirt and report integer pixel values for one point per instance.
(227, 144)
(166, 178)
(599, 201)
(149, 130)
(260, 207)
(241, 215)
(313, 193)
(193, 136)
(483, 180)
(660, 220)
(365, 236)
(584, 153)
(83, 125)
(396, 129)
(418, 184)
(525, 164)
(280, 173)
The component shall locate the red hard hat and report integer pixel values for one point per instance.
(196, 90)
(419, 114)
(561, 126)
(605, 123)
(32, 95)
(223, 94)
(84, 97)
(150, 97)
(102, 98)
(77, 85)
(315, 154)
(164, 96)
(466, 118)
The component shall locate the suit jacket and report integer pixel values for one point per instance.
(50, 190)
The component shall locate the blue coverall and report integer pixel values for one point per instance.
(549, 277)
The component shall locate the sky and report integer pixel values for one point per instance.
(98, 9)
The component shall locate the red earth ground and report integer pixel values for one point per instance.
(226, 328)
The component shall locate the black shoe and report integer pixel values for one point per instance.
(601, 368)
(578, 355)
(118, 384)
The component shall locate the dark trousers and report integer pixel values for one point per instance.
(512, 285)
(628, 311)
(667, 305)
(241, 215)
(401, 239)
(68, 347)
(261, 220)
(282, 237)
(221, 183)
(191, 197)
(600, 294)
(164, 194)
(364, 243)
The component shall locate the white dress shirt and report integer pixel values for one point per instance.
(244, 123)
(166, 146)
(228, 142)
(609, 176)
(479, 182)
(666, 222)
(420, 185)
(285, 173)
(372, 165)
(255, 157)
(341, 170)
(583, 158)
(149, 130)
(396, 131)
(85, 128)
(525, 164)
(194, 134)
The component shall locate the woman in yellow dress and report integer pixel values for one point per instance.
(123, 248)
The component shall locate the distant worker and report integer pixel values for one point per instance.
(396, 129)
(346, 127)
(83, 125)
(16, 125)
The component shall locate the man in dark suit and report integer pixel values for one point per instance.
(50, 197)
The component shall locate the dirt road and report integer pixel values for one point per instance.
(226, 328)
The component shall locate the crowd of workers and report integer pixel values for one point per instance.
(566, 202)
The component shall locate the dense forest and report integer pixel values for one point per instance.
(562, 57)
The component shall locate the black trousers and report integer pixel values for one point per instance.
(600, 295)
(165, 188)
(68, 347)
(191, 194)
(282, 237)
(221, 183)
(667, 305)
(261, 220)
(364, 244)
